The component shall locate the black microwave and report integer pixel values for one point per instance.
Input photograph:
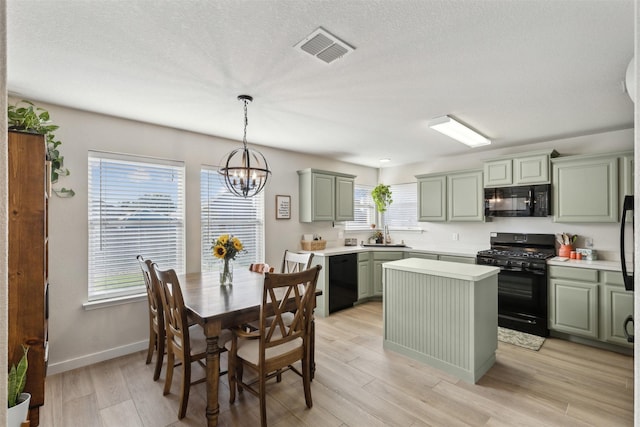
(527, 200)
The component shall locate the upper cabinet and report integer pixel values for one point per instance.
(523, 169)
(432, 198)
(585, 188)
(627, 174)
(325, 196)
(452, 197)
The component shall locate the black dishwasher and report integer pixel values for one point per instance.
(343, 281)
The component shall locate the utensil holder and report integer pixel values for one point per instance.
(565, 251)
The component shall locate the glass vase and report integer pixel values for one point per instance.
(226, 272)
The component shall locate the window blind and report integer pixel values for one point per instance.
(363, 209)
(402, 214)
(136, 207)
(225, 213)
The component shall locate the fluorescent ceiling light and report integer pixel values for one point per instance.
(385, 160)
(458, 131)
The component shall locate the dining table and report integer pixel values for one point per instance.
(216, 307)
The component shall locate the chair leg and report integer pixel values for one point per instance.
(160, 341)
(306, 380)
(184, 388)
(263, 399)
(231, 375)
(153, 338)
(239, 371)
(170, 364)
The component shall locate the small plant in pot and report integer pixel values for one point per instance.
(17, 400)
(25, 116)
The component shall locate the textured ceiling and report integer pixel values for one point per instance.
(517, 71)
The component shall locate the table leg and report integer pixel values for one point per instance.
(213, 375)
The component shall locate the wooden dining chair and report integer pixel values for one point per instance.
(275, 347)
(156, 316)
(184, 342)
(260, 268)
(295, 261)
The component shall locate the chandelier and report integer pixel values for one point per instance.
(245, 171)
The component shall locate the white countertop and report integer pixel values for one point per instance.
(339, 250)
(595, 264)
(454, 270)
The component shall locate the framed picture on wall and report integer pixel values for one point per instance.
(283, 207)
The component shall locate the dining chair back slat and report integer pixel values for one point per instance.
(157, 335)
(293, 262)
(182, 344)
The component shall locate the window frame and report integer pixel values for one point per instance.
(125, 184)
(208, 263)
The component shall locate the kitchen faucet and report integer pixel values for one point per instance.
(387, 236)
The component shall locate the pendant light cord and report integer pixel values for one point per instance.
(246, 122)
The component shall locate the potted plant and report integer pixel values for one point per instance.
(382, 197)
(25, 116)
(17, 400)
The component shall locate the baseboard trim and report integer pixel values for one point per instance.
(90, 359)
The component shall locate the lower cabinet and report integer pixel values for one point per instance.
(618, 305)
(364, 275)
(378, 259)
(455, 258)
(423, 255)
(589, 303)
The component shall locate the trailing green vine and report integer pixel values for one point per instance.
(382, 197)
(25, 116)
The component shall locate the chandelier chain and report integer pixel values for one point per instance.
(246, 122)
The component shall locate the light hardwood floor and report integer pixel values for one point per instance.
(358, 383)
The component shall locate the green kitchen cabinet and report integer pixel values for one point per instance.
(457, 258)
(380, 258)
(498, 173)
(573, 307)
(325, 196)
(344, 198)
(627, 174)
(533, 169)
(364, 275)
(465, 196)
(617, 306)
(585, 189)
(523, 169)
(457, 196)
(423, 255)
(432, 198)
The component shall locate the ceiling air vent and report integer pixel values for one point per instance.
(325, 46)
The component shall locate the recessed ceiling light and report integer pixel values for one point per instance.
(458, 131)
(385, 160)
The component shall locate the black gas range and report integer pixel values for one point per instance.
(522, 281)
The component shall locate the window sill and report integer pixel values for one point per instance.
(110, 302)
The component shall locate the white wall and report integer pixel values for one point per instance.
(79, 337)
(475, 236)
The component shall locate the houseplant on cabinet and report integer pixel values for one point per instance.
(25, 116)
(17, 401)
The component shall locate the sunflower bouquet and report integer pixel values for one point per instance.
(225, 248)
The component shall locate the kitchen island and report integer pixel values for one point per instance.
(442, 313)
